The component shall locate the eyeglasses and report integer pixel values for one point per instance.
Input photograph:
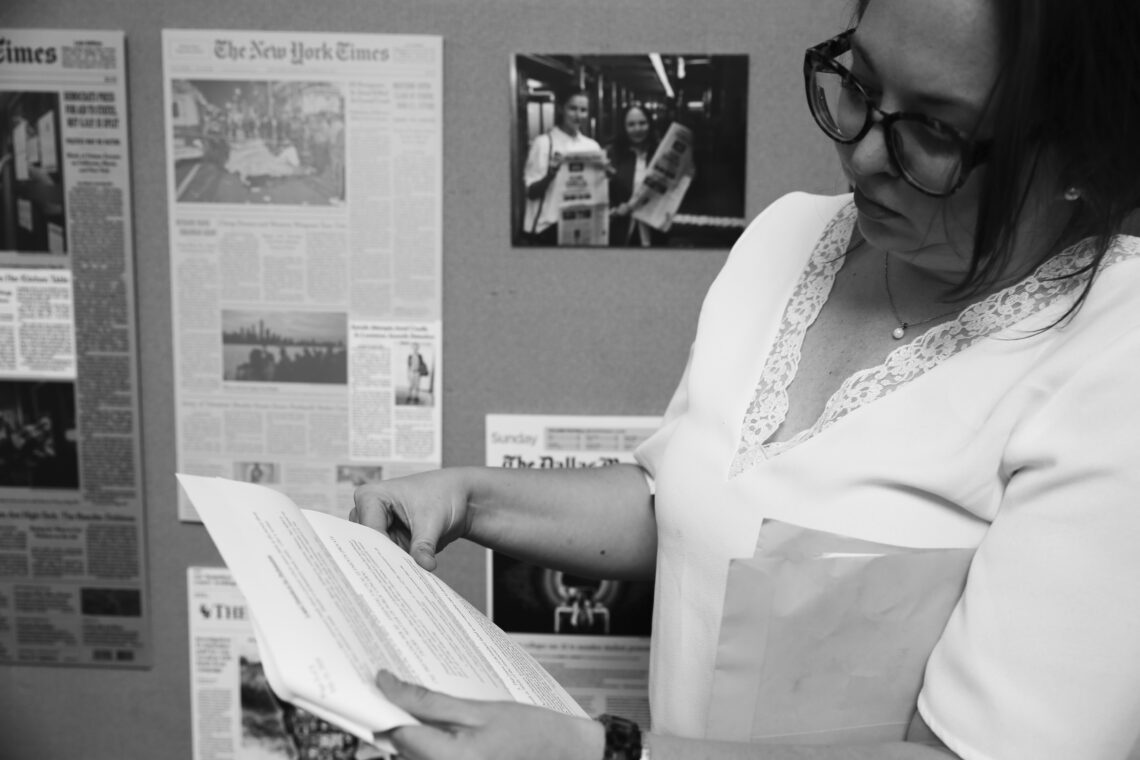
(930, 155)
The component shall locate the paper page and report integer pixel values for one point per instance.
(445, 643)
(825, 638)
(73, 563)
(591, 635)
(304, 186)
(325, 650)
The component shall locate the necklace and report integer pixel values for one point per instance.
(900, 331)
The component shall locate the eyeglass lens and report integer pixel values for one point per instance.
(929, 157)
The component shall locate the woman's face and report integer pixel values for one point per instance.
(575, 113)
(636, 126)
(938, 58)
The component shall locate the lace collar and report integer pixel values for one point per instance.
(910, 360)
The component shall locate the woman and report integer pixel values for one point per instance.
(968, 379)
(630, 154)
(416, 370)
(540, 222)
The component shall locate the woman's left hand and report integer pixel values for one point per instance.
(477, 730)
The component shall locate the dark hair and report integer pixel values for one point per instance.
(621, 140)
(562, 97)
(1068, 90)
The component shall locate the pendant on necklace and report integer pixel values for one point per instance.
(898, 332)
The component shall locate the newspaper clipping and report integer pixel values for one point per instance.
(593, 636)
(234, 714)
(305, 204)
(72, 573)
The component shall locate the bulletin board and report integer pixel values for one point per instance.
(525, 330)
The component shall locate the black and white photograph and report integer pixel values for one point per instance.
(526, 598)
(627, 151)
(357, 475)
(38, 434)
(257, 472)
(262, 142)
(285, 346)
(415, 374)
(32, 213)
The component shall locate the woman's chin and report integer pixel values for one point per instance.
(885, 234)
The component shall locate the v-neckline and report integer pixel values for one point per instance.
(905, 363)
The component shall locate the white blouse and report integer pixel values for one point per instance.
(978, 433)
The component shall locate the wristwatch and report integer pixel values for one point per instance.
(623, 739)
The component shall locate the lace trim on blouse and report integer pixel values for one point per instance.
(992, 314)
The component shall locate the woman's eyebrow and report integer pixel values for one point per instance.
(928, 99)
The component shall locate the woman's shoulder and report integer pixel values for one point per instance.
(794, 218)
(812, 204)
(777, 244)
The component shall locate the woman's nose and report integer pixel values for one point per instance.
(870, 155)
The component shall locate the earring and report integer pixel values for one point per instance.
(1072, 193)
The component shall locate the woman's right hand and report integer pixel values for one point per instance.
(422, 513)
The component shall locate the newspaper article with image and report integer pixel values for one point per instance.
(592, 636)
(305, 234)
(234, 714)
(73, 587)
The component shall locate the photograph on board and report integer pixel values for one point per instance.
(265, 142)
(269, 346)
(32, 216)
(628, 151)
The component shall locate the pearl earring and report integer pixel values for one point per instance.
(1072, 194)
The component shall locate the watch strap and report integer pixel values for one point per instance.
(623, 738)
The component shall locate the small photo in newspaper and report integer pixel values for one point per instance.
(639, 150)
(271, 346)
(258, 141)
(415, 386)
(38, 435)
(33, 218)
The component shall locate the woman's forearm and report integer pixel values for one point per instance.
(596, 522)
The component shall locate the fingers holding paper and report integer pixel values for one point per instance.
(463, 728)
(422, 513)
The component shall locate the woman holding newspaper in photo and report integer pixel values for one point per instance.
(630, 155)
(547, 151)
(968, 380)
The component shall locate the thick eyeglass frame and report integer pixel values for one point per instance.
(822, 57)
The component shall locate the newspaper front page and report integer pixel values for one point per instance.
(72, 541)
(305, 234)
(234, 714)
(667, 180)
(592, 636)
(582, 190)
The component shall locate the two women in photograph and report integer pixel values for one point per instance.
(625, 160)
(948, 356)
